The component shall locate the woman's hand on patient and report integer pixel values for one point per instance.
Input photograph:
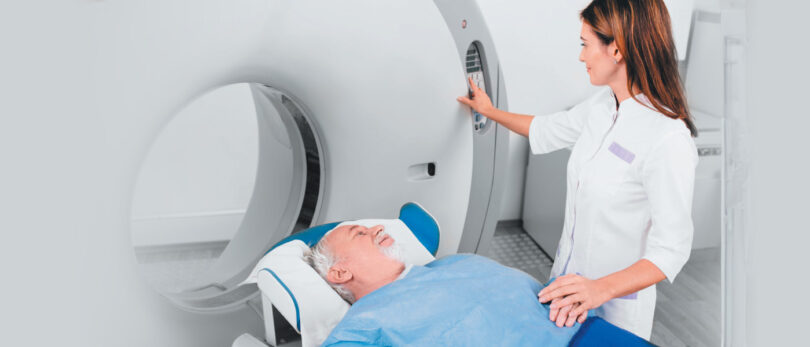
(479, 100)
(572, 296)
(560, 315)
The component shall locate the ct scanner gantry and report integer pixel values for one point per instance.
(356, 115)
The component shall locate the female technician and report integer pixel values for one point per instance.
(631, 173)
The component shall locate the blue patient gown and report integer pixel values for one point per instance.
(459, 300)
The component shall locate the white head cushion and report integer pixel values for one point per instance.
(308, 303)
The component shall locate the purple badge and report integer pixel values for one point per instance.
(633, 296)
(622, 153)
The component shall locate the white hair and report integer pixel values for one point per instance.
(322, 259)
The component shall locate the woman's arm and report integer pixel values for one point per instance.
(546, 133)
(636, 277)
(481, 103)
(586, 294)
(518, 123)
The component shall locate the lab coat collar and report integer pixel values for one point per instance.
(640, 96)
(639, 100)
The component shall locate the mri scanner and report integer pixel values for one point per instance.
(356, 115)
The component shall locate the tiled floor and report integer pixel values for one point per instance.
(687, 312)
(513, 247)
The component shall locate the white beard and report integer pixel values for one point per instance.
(394, 251)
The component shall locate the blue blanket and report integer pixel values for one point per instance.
(459, 300)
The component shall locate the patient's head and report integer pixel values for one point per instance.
(356, 260)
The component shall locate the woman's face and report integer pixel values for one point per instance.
(599, 59)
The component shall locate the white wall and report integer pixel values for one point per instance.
(778, 122)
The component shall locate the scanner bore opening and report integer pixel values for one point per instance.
(203, 277)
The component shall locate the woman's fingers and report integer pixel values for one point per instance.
(563, 316)
(559, 292)
(559, 282)
(580, 310)
(552, 312)
(582, 317)
(572, 318)
(477, 99)
(475, 91)
(568, 300)
(464, 100)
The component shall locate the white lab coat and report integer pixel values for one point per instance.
(630, 183)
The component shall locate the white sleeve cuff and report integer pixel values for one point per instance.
(670, 265)
(552, 132)
(534, 141)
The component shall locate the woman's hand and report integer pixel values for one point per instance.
(572, 296)
(560, 315)
(479, 102)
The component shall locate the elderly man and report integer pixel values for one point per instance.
(369, 259)
(456, 300)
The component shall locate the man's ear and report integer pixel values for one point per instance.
(338, 275)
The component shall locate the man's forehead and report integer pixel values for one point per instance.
(343, 229)
(350, 227)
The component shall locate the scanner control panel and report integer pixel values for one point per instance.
(475, 70)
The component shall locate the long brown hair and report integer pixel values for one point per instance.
(643, 34)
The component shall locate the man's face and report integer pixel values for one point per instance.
(361, 250)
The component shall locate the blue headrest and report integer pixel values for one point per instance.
(421, 223)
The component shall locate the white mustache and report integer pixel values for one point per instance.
(380, 236)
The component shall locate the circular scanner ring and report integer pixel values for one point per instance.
(349, 81)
